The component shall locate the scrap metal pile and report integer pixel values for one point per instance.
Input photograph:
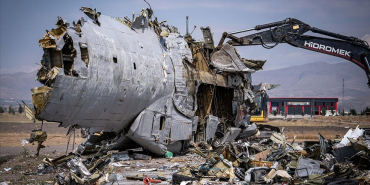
(78, 169)
(263, 158)
(275, 161)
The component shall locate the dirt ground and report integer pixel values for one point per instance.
(21, 160)
(11, 135)
(329, 127)
(19, 166)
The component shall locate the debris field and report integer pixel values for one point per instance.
(264, 157)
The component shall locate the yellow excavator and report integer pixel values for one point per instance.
(261, 99)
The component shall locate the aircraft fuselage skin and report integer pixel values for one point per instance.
(125, 75)
(144, 82)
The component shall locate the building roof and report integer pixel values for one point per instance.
(304, 98)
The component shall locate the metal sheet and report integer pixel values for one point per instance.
(228, 60)
(181, 131)
(308, 167)
(322, 144)
(212, 123)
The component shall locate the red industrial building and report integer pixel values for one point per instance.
(298, 105)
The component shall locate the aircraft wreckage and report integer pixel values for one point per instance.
(138, 82)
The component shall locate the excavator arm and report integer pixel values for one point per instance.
(291, 31)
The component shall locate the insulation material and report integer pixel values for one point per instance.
(353, 134)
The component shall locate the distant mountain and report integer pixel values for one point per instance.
(320, 79)
(18, 85)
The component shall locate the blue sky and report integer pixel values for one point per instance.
(23, 23)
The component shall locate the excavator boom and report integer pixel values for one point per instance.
(291, 31)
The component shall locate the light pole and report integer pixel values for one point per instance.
(313, 106)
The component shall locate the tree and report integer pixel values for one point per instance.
(20, 109)
(1, 109)
(10, 110)
(352, 112)
(275, 112)
(366, 111)
(332, 111)
(323, 111)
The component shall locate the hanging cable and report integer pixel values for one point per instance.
(74, 137)
(69, 138)
(42, 124)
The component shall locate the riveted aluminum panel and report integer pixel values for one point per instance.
(181, 131)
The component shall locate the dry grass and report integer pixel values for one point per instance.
(329, 127)
(17, 118)
(345, 119)
(313, 135)
(338, 121)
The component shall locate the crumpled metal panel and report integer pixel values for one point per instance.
(181, 131)
(146, 129)
(195, 123)
(241, 114)
(235, 80)
(308, 167)
(78, 167)
(141, 21)
(212, 123)
(248, 95)
(154, 138)
(208, 39)
(322, 144)
(255, 174)
(177, 119)
(59, 43)
(344, 153)
(249, 131)
(179, 52)
(227, 59)
(231, 134)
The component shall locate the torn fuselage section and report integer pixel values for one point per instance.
(224, 108)
(59, 57)
(59, 52)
